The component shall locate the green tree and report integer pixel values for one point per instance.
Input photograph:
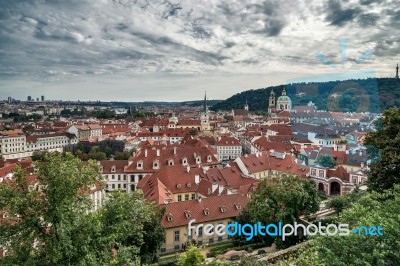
(54, 225)
(340, 203)
(55, 220)
(96, 154)
(131, 226)
(192, 257)
(325, 160)
(282, 199)
(385, 167)
(372, 209)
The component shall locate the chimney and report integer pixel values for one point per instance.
(158, 152)
(214, 187)
(220, 189)
(199, 198)
(196, 179)
(195, 155)
(145, 153)
(188, 168)
(175, 150)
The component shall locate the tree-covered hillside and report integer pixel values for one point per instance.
(373, 95)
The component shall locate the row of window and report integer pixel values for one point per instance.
(229, 147)
(187, 196)
(13, 139)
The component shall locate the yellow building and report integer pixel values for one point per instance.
(198, 212)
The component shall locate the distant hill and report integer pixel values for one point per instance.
(373, 95)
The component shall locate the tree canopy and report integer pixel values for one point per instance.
(281, 199)
(372, 94)
(326, 160)
(385, 167)
(56, 225)
(191, 257)
(371, 209)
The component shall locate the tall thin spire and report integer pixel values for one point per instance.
(284, 90)
(205, 102)
(397, 71)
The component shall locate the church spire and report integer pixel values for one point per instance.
(397, 71)
(246, 106)
(284, 90)
(205, 102)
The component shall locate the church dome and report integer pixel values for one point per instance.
(284, 98)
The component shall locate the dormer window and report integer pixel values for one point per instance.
(188, 184)
(209, 159)
(171, 162)
(178, 185)
(156, 164)
(113, 169)
(188, 214)
(206, 212)
(139, 165)
(170, 217)
(222, 208)
(184, 161)
(198, 160)
(238, 207)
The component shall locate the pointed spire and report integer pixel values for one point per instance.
(246, 106)
(284, 90)
(397, 71)
(205, 102)
(272, 92)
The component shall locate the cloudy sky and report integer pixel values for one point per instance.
(174, 50)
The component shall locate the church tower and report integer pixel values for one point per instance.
(246, 106)
(271, 102)
(397, 71)
(204, 118)
(284, 103)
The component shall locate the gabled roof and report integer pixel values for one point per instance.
(205, 210)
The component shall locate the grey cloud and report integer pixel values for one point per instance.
(172, 9)
(339, 16)
(59, 40)
(368, 2)
(368, 20)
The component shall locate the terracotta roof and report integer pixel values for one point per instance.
(206, 210)
(340, 173)
(265, 161)
(119, 165)
(12, 133)
(171, 154)
(228, 141)
(189, 122)
(34, 138)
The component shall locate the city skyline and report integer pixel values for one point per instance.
(172, 51)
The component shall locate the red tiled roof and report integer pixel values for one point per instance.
(228, 141)
(119, 165)
(340, 173)
(264, 161)
(180, 213)
(171, 153)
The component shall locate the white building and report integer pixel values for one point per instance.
(12, 144)
(228, 148)
(50, 142)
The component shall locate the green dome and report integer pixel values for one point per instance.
(283, 98)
